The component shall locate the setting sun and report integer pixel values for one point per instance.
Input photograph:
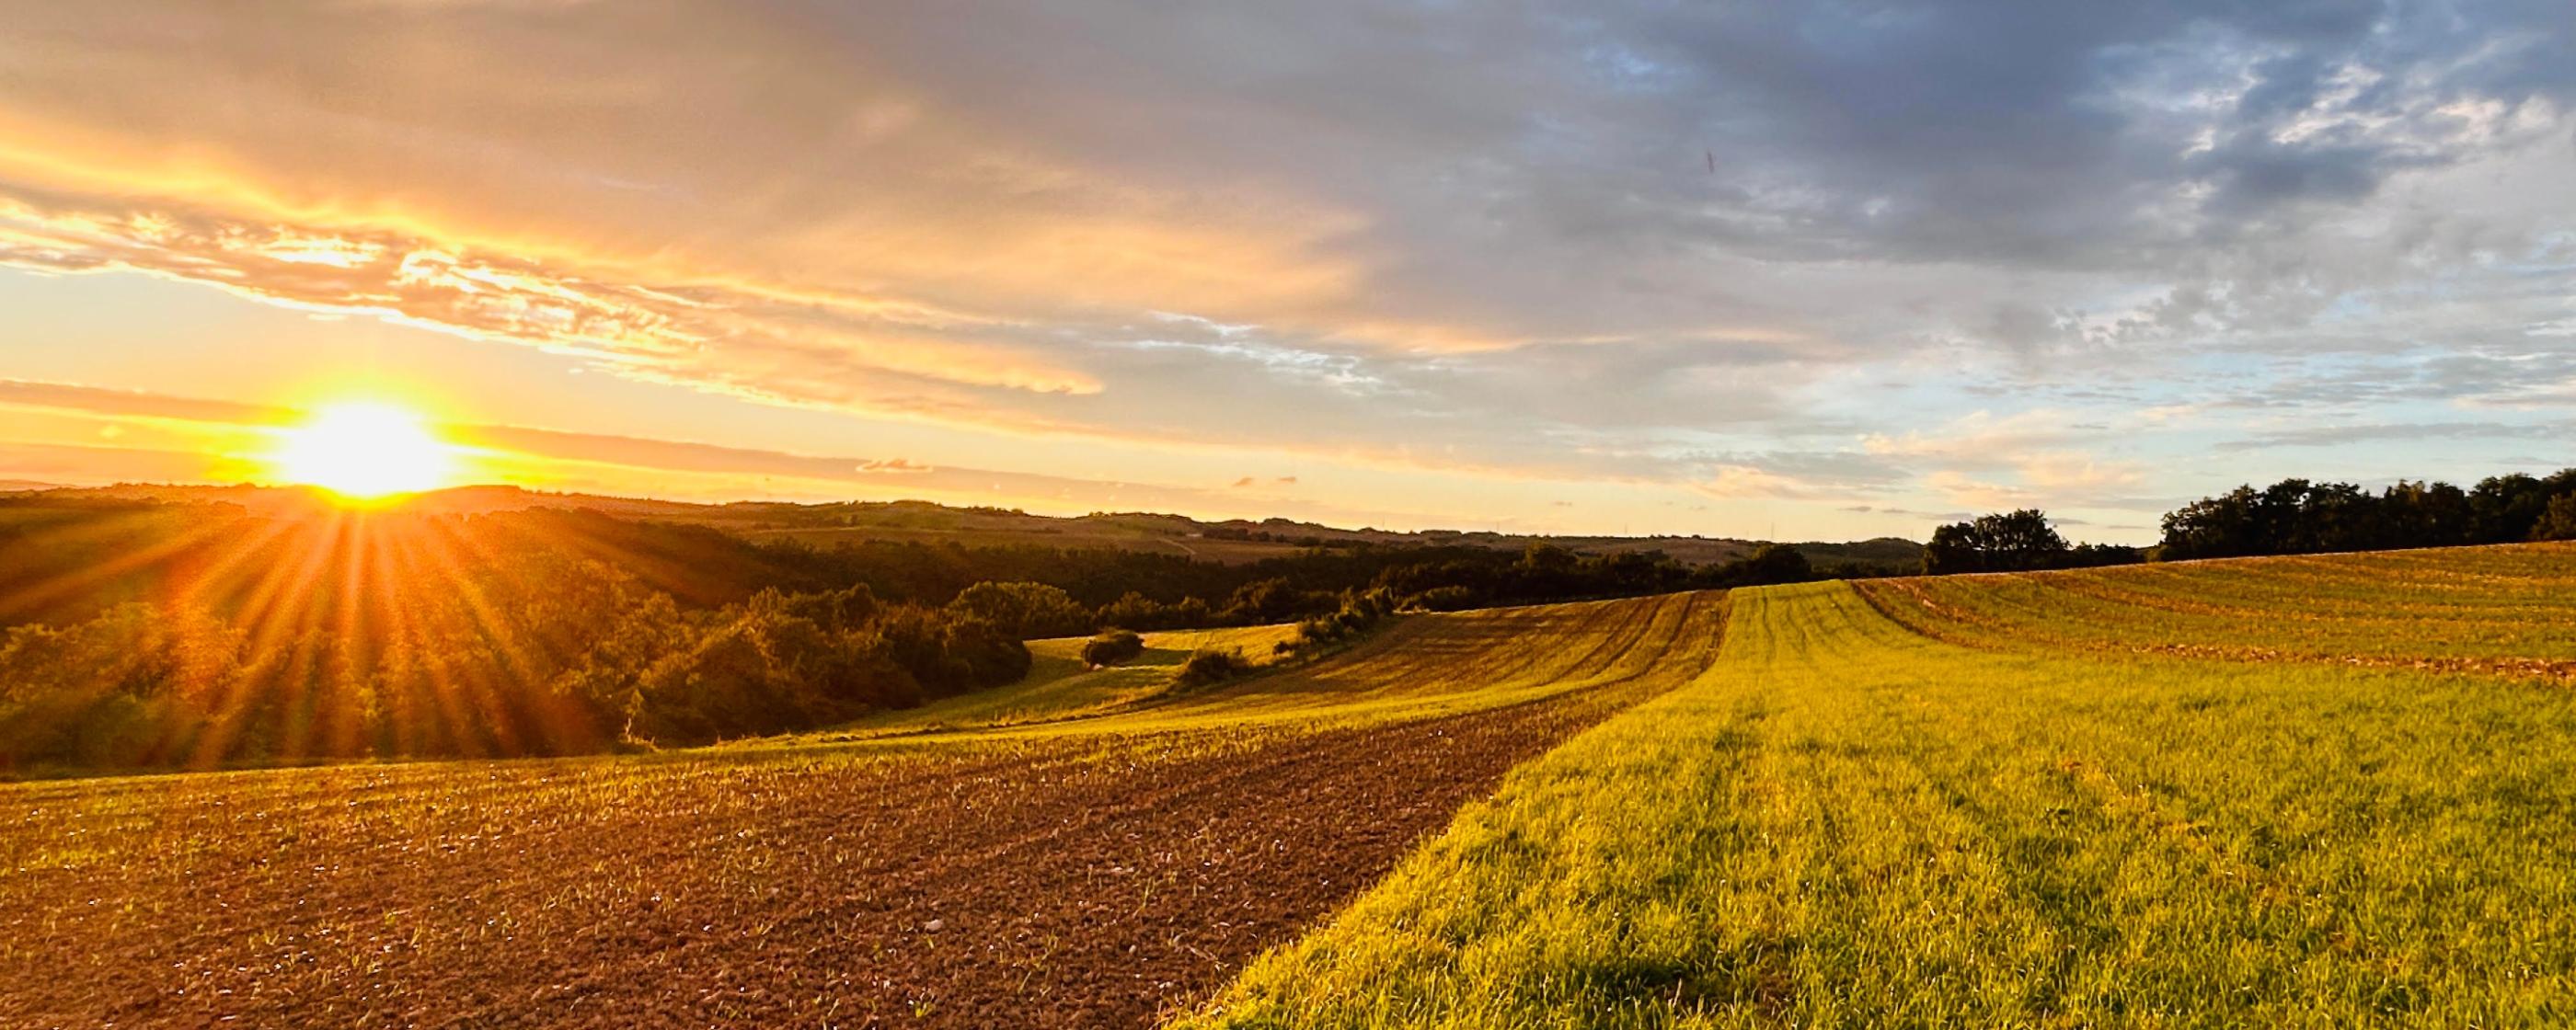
(365, 450)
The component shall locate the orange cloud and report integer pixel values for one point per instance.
(688, 334)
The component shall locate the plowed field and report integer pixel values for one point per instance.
(1089, 873)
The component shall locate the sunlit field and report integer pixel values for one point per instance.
(1424, 666)
(1048, 871)
(2501, 609)
(2028, 804)
(2316, 791)
(1264, 516)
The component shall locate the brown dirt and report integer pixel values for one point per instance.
(1066, 884)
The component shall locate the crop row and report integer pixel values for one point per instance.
(1848, 823)
(2505, 609)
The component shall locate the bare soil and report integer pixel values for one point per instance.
(1070, 883)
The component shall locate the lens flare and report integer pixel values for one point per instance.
(365, 451)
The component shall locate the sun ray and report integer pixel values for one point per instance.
(26, 599)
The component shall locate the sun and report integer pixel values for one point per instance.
(365, 450)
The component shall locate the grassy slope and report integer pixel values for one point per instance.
(1444, 664)
(2509, 609)
(1059, 686)
(1422, 667)
(1468, 661)
(1848, 823)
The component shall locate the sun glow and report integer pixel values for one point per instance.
(365, 451)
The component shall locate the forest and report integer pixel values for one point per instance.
(153, 635)
(243, 641)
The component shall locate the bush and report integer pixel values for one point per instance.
(1111, 647)
(1360, 612)
(1446, 599)
(1208, 666)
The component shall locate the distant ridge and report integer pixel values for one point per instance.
(1229, 540)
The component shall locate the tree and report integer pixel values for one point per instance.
(2215, 527)
(1273, 600)
(748, 675)
(948, 652)
(836, 610)
(2009, 542)
(1776, 563)
(2428, 514)
(1138, 611)
(2086, 556)
(1024, 610)
(2504, 509)
(1541, 556)
(2559, 521)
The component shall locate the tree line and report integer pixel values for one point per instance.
(141, 634)
(500, 648)
(2293, 516)
(1094, 589)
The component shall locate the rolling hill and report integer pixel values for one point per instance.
(2288, 791)
(2298, 791)
(1232, 541)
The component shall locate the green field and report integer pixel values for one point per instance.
(2495, 609)
(2287, 792)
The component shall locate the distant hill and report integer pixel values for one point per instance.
(1231, 541)
(272, 501)
(68, 554)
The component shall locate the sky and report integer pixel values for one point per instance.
(1799, 271)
